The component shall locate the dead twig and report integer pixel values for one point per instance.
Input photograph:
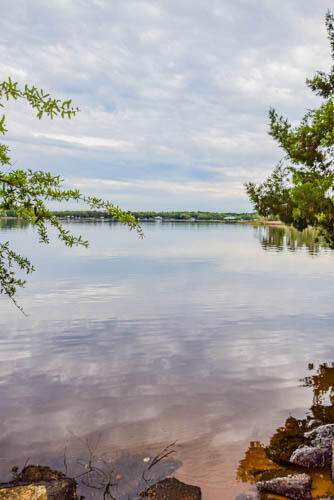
(65, 461)
(163, 454)
(94, 477)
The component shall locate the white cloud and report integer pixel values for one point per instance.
(166, 89)
(214, 190)
(89, 142)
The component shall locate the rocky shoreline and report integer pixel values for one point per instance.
(35, 482)
(313, 453)
(316, 453)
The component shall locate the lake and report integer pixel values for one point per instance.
(199, 334)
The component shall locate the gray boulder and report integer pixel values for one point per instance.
(318, 453)
(310, 456)
(321, 436)
(295, 487)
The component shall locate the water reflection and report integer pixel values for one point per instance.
(265, 462)
(162, 339)
(277, 238)
(282, 238)
(13, 223)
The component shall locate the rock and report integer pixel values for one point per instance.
(36, 473)
(295, 487)
(61, 489)
(310, 456)
(172, 489)
(321, 436)
(31, 492)
(319, 451)
(39, 483)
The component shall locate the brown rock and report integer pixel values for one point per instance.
(172, 489)
(39, 483)
(31, 492)
(36, 473)
(61, 489)
(295, 487)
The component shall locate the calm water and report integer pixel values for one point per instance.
(198, 333)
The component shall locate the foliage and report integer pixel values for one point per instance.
(192, 215)
(287, 237)
(150, 215)
(300, 189)
(27, 193)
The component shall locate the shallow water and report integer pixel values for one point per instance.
(199, 333)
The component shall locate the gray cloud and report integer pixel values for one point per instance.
(175, 93)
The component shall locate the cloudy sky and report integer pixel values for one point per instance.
(173, 94)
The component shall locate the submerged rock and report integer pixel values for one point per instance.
(295, 487)
(36, 473)
(39, 483)
(318, 453)
(172, 489)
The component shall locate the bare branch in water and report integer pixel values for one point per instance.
(94, 477)
(163, 454)
(65, 461)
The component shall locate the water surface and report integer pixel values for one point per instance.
(199, 333)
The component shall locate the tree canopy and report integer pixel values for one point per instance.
(28, 192)
(300, 190)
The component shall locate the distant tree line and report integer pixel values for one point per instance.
(142, 215)
(193, 215)
(150, 215)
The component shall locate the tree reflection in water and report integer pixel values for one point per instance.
(265, 462)
(282, 238)
(8, 223)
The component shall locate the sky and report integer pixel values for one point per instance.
(173, 94)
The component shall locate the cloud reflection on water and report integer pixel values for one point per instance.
(149, 348)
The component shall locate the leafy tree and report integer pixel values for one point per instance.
(300, 189)
(27, 193)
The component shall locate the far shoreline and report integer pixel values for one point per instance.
(262, 222)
